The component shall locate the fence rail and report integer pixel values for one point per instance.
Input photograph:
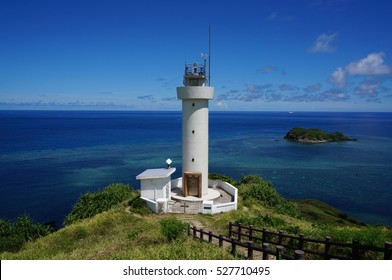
(325, 249)
(247, 247)
(247, 240)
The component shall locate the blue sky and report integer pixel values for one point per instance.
(272, 55)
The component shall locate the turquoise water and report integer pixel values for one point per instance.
(49, 158)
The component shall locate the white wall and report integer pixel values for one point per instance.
(195, 130)
(176, 183)
(224, 207)
(154, 188)
(151, 204)
(209, 205)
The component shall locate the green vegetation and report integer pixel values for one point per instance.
(173, 228)
(138, 205)
(254, 189)
(91, 204)
(128, 231)
(116, 234)
(14, 235)
(225, 178)
(315, 135)
(320, 212)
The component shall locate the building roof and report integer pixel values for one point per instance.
(156, 173)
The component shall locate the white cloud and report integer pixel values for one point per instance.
(373, 64)
(323, 43)
(372, 90)
(338, 77)
(367, 89)
(221, 105)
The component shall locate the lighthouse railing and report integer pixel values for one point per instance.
(190, 70)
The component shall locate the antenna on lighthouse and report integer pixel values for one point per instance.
(209, 55)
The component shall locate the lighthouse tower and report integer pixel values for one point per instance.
(192, 193)
(195, 95)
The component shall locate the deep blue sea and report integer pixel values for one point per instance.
(49, 158)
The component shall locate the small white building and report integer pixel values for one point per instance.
(155, 187)
(193, 192)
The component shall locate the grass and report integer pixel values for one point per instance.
(320, 212)
(126, 232)
(106, 236)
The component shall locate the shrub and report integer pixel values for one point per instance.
(172, 228)
(90, 204)
(289, 208)
(256, 188)
(24, 229)
(5, 228)
(29, 230)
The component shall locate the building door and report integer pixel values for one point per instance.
(192, 184)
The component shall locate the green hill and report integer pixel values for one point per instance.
(128, 231)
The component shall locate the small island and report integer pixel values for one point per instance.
(315, 136)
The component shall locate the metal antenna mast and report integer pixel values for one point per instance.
(209, 55)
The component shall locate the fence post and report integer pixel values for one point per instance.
(250, 250)
(230, 229)
(201, 234)
(250, 233)
(327, 251)
(194, 232)
(301, 241)
(233, 246)
(265, 251)
(279, 251)
(220, 240)
(189, 229)
(239, 236)
(264, 237)
(299, 255)
(355, 250)
(280, 237)
(388, 251)
(210, 236)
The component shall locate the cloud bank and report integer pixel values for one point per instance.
(283, 92)
(363, 79)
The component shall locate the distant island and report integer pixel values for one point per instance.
(315, 136)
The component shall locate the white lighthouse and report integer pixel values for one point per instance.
(195, 95)
(193, 192)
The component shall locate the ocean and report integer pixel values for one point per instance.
(49, 158)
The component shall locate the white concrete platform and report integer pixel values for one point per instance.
(177, 194)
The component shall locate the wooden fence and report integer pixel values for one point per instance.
(278, 245)
(322, 249)
(248, 247)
